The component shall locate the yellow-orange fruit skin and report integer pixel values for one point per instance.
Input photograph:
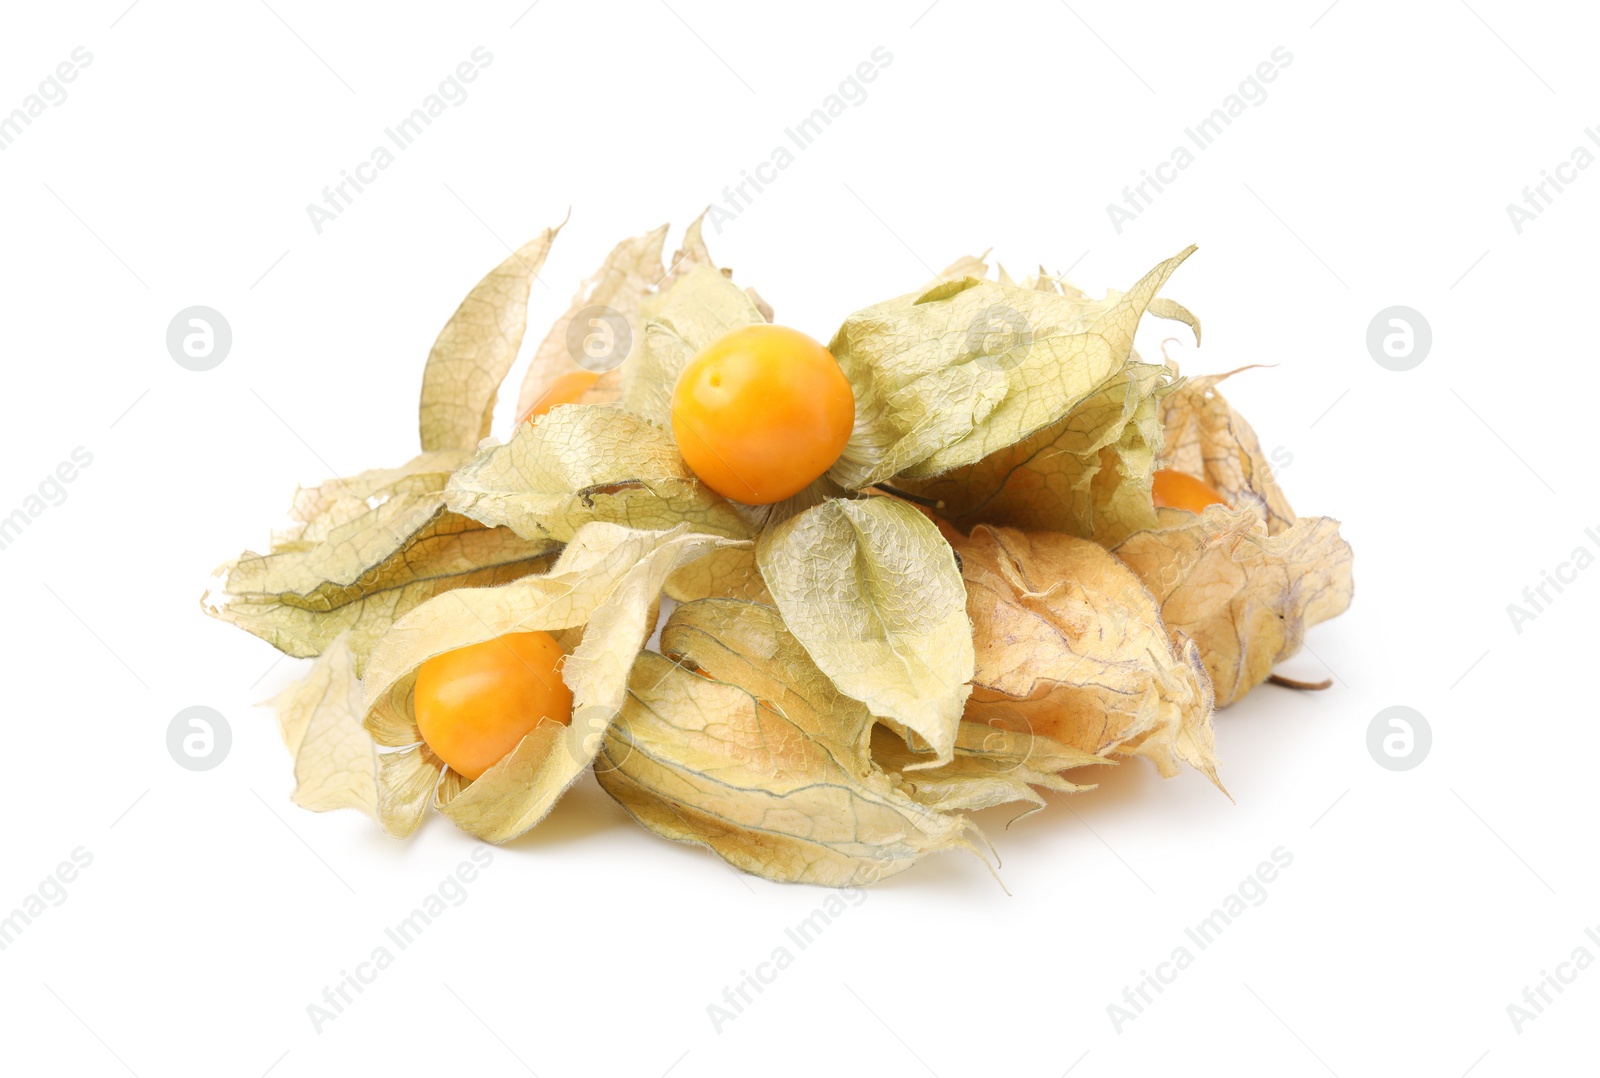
(563, 389)
(474, 704)
(761, 412)
(1176, 490)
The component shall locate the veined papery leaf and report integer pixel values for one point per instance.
(1206, 438)
(990, 767)
(946, 377)
(700, 307)
(1071, 647)
(692, 251)
(737, 742)
(608, 580)
(871, 590)
(360, 553)
(1243, 596)
(588, 462)
(1087, 474)
(476, 348)
(336, 762)
(629, 273)
(731, 573)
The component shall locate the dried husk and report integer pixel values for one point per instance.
(608, 580)
(1204, 436)
(476, 348)
(583, 463)
(723, 574)
(1243, 596)
(319, 718)
(990, 767)
(898, 675)
(1087, 474)
(360, 553)
(1244, 581)
(701, 306)
(1071, 647)
(336, 762)
(735, 741)
(871, 590)
(629, 273)
(692, 251)
(946, 377)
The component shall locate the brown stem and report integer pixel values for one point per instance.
(1308, 686)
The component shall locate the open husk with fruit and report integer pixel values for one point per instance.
(971, 547)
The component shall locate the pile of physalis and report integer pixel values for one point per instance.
(973, 544)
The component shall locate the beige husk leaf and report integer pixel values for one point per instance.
(990, 767)
(1162, 307)
(586, 462)
(738, 743)
(970, 366)
(700, 307)
(1244, 597)
(722, 574)
(628, 274)
(965, 266)
(319, 717)
(1244, 581)
(361, 552)
(476, 348)
(608, 579)
(1087, 474)
(871, 590)
(336, 763)
(692, 251)
(1206, 438)
(1071, 647)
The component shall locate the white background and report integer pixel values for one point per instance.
(1419, 904)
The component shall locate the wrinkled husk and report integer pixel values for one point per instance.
(871, 590)
(990, 767)
(1087, 474)
(1071, 647)
(587, 462)
(319, 718)
(475, 349)
(735, 741)
(1206, 438)
(945, 378)
(1244, 581)
(362, 552)
(722, 574)
(628, 274)
(702, 305)
(1244, 597)
(607, 580)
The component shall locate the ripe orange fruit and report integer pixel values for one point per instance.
(1176, 490)
(474, 704)
(563, 389)
(761, 412)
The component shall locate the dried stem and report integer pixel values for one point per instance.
(1308, 686)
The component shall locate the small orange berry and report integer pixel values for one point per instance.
(1176, 490)
(475, 704)
(761, 412)
(565, 388)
